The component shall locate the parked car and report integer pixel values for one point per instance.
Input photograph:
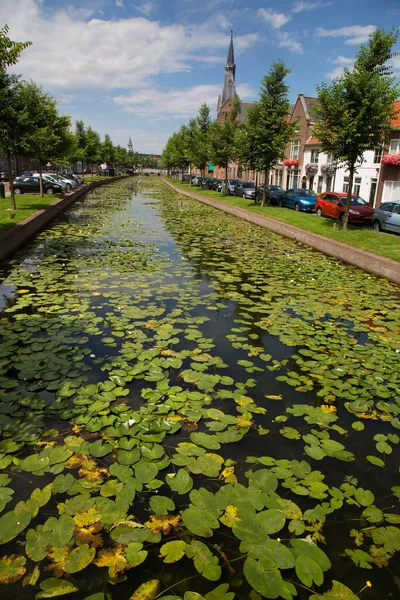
(31, 185)
(64, 183)
(216, 185)
(333, 204)
(273, 193)
(299, 199)
(26, 173)
(231, 186)
(196, 180)
(204, 183)
(386, 217)
(245, 189)
(78, 179)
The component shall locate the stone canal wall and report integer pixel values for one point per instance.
(378, 265)
(17, 236)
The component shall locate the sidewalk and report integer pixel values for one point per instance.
(378, 265)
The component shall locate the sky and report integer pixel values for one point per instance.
(141, 68)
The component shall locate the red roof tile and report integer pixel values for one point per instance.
(313, 140)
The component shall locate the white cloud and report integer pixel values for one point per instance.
(273, 18)
(156, 104)
(146, 8)
(301, 5)
(119, 3)
(395, 64)
(354, 34)
(341, 62)
(80, 13)
(286, 40)
(104, 55)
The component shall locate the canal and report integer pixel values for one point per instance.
(194, 407)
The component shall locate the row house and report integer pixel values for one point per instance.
(389, 179)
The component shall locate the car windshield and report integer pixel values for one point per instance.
(234, 181)
(248, 184)
(306, 193)
(276, 188)
(357, 200)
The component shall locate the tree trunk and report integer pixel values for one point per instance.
(349, 193)
(40, 179)
(10, 177)
(226, 177)
(255, 193)
(266, 174)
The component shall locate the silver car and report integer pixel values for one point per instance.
(386, 217)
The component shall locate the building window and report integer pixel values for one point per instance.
(356, 185)
(378, 154)
(295, 176)
(329, 158)
(294, 149)
(391, 191)
(329, 184)
(315, 155)
(394, 147)
(278, 177)
(320, 182)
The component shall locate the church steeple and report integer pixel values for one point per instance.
(130, 147)
(229, 91)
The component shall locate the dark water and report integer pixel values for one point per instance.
(121, 254)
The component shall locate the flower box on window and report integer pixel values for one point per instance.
(328, 168)
(291, 162)
(312, 168)
(391, 159)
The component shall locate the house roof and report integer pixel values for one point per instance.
(312, 140)
(308, 104)
(395, 122)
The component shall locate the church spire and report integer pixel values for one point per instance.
(229, 91)
(130, 147)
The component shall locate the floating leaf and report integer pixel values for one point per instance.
(12, 568)
(147, 591)
(79, 558)
(53, 587)
(173, 551)
(264, 577)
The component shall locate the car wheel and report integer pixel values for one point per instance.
(297, 206)
(377, 226)
(244, 195)
(17, 191)
(280, 203)
(319, 212)
(68, 187)
(49, 191)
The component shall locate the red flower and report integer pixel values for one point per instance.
(289, 162)
(391, 159)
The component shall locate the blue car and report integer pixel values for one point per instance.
(299, 199)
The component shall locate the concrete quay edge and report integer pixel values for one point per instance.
(15, 237)
(378, 265)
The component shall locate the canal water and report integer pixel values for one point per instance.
(193, 401)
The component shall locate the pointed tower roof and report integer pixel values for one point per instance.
(130, 141)
(231, 58)
(229, 91)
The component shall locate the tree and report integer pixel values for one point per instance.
(223, 139)
(107, 151)
(9, 55)
(174, 155)
(354, 113)
(93, 146)
(47, 135)
(267, 132)
(201, 146)
(80, 138)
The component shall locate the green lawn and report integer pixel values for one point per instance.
(27, 204)
(382, 244)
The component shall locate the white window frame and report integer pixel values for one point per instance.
(294, 149)
(315, 156)
(391, 191)
(394, 147)
(378, 155)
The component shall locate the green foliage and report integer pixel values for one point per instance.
(224, 138)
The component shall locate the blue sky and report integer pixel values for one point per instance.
(141, 68)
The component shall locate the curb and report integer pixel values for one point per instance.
(378, 265)
(17, 236)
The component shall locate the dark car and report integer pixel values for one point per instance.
(299, 199)
(216, 185)
(26, 173)
(386, 217)
(31, 185)
(272, 195)
(333, 204)
(204, 183)
(245, 189)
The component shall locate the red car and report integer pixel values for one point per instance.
(333, 204)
